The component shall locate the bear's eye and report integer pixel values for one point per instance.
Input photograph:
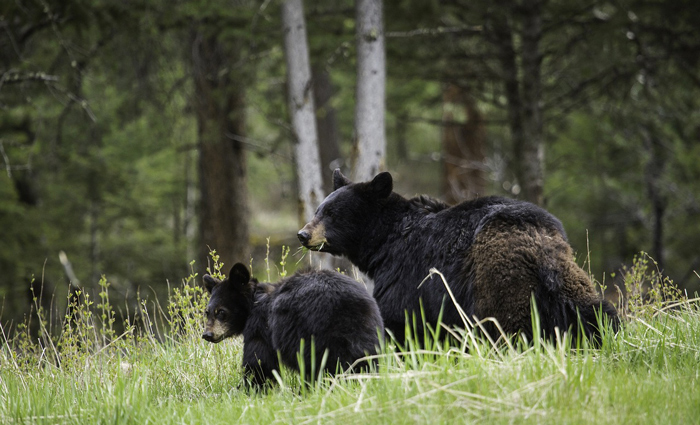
(220, 314)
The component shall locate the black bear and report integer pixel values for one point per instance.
(496, 255)
(324, 308)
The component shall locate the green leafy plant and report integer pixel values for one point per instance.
(646, 289)
(283, 261)
(158, 369)
(187, 303)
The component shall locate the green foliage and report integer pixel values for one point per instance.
(186, 304)
(101, 163)
(283, 262)
(215, 268)
(106, 314)
(647, 291)
(646, 371)
(88, 333)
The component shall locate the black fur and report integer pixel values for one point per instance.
(495, 253)
(325, 307)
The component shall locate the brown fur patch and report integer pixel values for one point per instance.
(506, 261)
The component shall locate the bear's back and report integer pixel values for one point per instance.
(477, 213)
(517, 213)
(491, 249)
(334, 310)
(448, 231)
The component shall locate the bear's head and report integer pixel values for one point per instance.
(344, 218)
(229, 305)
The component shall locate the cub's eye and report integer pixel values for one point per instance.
(220, 314)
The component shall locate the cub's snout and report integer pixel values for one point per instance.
(216, 331)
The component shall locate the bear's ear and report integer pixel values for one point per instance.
(339, 180)
(382, 185)
(239, 275)
(210, 282)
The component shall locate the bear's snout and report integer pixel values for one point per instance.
(313, 235)
(304, 237)
(208, 336)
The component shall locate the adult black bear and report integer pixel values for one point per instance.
(324, 308)
(495, 253)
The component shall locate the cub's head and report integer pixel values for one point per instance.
(229, 305)
(343, 218)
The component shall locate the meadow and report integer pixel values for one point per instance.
(158, 370)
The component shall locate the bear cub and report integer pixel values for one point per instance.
(326, 309)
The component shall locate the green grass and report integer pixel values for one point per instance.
(163, 373)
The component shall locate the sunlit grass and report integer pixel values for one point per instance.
(162, 372)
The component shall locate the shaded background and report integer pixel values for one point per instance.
(126, 128)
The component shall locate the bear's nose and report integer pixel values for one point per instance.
(208, 336)
(304, 237)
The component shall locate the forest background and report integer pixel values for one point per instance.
(136, 134)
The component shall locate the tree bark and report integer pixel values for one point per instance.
(502, 37)
(370, 133)
(523, 92)
(401, 142)
(327, 125)
(301, 109)
(653, 175)
(219, 107)
(530, 150)
(463, 139)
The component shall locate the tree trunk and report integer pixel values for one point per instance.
(401, 142)
(370, 134)
(463, 137)
(530, 151)
(327, 124)
(189, 225)
(503, 39)
(301, 109)
(523, 88)
(653, 174)
(219, 106)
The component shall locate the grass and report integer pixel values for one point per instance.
(160, 371)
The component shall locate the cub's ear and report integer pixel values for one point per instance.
(210, 282)
(239, 274)
(339, 180)
(382, 185)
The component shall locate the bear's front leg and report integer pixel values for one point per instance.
(259, 360)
